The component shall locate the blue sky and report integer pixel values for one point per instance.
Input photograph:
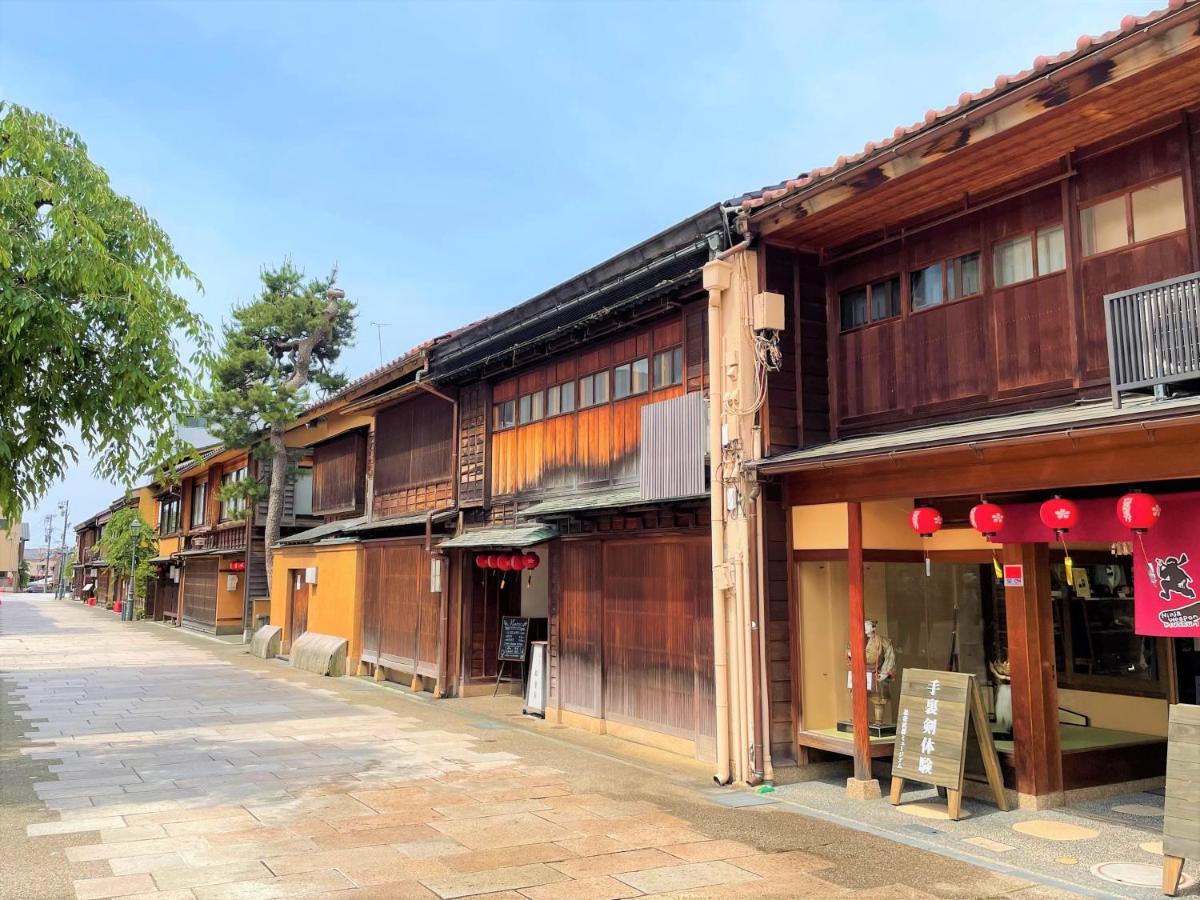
(456, 158)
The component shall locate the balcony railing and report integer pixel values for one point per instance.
(1153, 335)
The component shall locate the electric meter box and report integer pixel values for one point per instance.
(767, 312)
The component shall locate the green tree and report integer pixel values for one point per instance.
(90, 317)
(276, 345)
(123, 543)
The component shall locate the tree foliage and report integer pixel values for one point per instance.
(122, 543)
(275, 348)
(90, 317)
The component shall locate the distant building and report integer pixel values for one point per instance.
(13, 536)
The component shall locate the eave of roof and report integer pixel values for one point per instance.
(611, 498)
(1004, 86)
(1076, 418)
(513, 536)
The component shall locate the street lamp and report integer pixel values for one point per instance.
(135, 528)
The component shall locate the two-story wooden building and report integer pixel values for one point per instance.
(580, 448)
(999, 303)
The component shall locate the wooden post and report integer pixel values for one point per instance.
(1037, 753)
(858, 647)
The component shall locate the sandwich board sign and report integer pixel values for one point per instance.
(938, 711)
(1181, 812)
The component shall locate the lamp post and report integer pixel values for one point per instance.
(135, 528)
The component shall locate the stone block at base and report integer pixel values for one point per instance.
(323, 654)
(265, 643)
(863, 789)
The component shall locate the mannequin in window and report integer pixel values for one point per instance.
(881, 670)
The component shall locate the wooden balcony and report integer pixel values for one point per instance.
(1154, 335)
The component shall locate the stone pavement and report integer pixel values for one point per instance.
(159, 764)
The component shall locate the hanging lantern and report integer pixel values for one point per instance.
(1138, 512)
(532, 560)
(925, 520)
(502, 562)
(987, 519)
(481, 561)
(1059, 514)
(517, 561)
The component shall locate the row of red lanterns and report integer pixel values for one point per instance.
(508, 562)
(1136, 510)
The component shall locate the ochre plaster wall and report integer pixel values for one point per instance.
(334, 602)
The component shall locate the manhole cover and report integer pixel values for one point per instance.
(1135, 874)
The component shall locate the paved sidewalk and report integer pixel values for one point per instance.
(158, 764)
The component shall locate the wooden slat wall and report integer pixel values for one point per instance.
(400, 613)
(600, 443)
(779, 624)
(339, 474)
(633, 633)
(1041, 337)
(200, 593)
(413, 455)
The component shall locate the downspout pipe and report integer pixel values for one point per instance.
(718, 275)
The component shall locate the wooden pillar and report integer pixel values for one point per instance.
(1037, 754)
(858, 648)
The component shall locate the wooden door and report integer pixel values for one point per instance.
(200, 594)
(400, 612)
(167, 593)
(298, 605)
(579, 620)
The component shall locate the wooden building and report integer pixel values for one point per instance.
(579, 440)
(998, 302)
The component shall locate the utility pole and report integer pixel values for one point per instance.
(46, 553)
(379, 326)
(64, 506)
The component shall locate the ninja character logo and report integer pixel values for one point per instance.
(1172, 578)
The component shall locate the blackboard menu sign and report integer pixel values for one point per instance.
(514, 638)
(1181, 819)
(937, 710)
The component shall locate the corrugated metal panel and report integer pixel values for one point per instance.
(672, 463)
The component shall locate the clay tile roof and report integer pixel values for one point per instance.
(1086, 43)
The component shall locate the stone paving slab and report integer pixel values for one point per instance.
(178, 770)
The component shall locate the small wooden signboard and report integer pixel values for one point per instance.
(514, 642)
(935, 711)
(1181, 819)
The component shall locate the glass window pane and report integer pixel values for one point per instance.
(662, 369)
(1103, 226)
(567, 398)
(586, 391)
(1013, 261)
(967, 282)
(641, 376)
(552, 395)
(1158, 210)
(537, 403)
(601, 381)
(1051, 250)
(926, 285)
(854, 308)
(621, 381)
(525, 411)
(885, 299)
(677, 366)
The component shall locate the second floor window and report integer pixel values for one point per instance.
(504, 415)
(560, 399)
(531, 407)
(168, 515)
(870, 303)
(668, 368)
(631, 378)
(1140, 215)
(235, 505)
(199, 505)
(593, 389)
(951, 279)
(1029, 256)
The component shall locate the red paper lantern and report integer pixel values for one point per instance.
(481, 561)
(1059, 514)
(532, 560)
(987, 519)
(925, 520)
(517, 561)
(1139, 512)
(503, 563)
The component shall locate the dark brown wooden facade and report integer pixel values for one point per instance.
(340, 475)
